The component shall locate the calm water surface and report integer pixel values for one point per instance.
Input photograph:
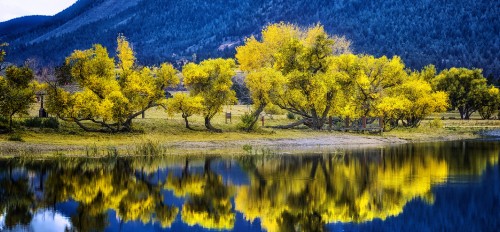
(453, 186)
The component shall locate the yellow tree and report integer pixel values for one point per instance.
(413, 100)
(262, 85)
(110, 94)
(186, 105)
(374, 76)
(211, 80)
(302, 82)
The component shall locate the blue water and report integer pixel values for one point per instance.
(451, 186)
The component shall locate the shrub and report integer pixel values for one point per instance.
(33, 122)
(41, 123)
(245, 121)
(15, 137)
(50, 123)
(436, 123)
(290, 115)
(4, 124)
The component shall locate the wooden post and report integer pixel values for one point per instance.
(143, 114)
(42, 113)
(228, 116)
(381, 124)
(262, 119)
(330, 122)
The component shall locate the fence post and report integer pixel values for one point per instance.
(330, 122)
(262, 119)
(381, 124)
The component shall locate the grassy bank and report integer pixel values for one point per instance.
(160, 131)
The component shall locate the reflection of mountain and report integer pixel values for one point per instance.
(307, 192)
(282, 193)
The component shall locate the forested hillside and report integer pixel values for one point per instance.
(443, 32)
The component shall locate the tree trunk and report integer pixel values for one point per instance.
(209, 126)
(187, 122)
(10, 122)
(255, 116)
(461, 110)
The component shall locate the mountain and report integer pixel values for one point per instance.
(20, 25)
(442, 32)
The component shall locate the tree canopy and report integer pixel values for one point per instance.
(464, 87)
(110, 94)
(17, 92)
(211, 80)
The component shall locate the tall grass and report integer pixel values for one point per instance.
(149, 148)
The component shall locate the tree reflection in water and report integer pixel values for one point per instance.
(285, 193)
(304, 193)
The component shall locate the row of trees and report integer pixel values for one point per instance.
(303, 71)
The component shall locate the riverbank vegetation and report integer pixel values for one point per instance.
(296, 78)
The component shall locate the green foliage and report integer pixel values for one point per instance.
(149, 148)
(290, 115)
(15, 137)
(51, 123)
(464, 87)
(246, 121)
(248, 148)
(489, 102)
(17, 92)
(436, 123)
(33, 122)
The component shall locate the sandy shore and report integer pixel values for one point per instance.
(318, 143)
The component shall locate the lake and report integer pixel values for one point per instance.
(446, 186)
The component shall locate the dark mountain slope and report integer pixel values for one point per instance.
(20, 25)
(443, 32)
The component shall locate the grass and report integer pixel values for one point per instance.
(158, 133)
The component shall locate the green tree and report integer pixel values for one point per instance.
(211, 80)
(464, 87)
(17, 92)
(111, 94)
(186, 105)
(489, 102)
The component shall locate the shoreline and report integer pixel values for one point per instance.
(326, 142)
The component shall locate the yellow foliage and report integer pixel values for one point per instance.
(108, 97)
(211, 80)
(125, 54)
